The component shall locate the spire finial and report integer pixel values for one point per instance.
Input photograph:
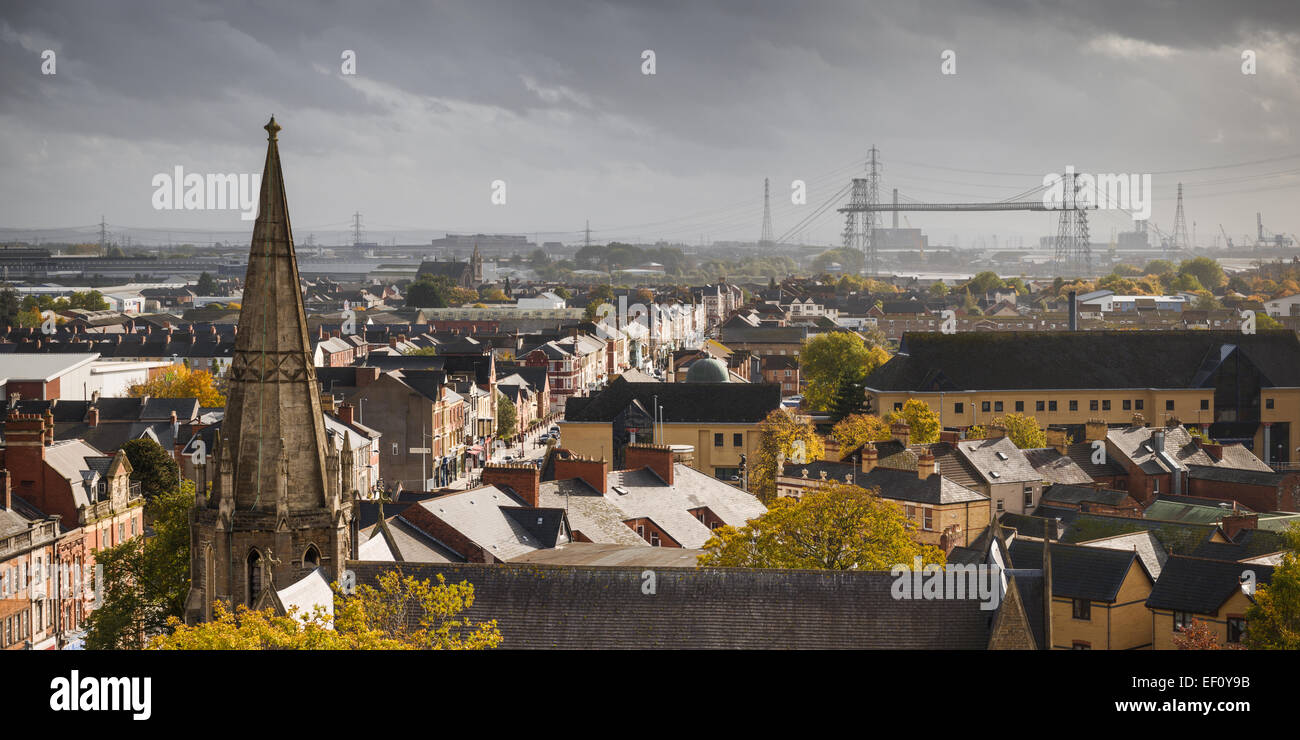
(272, 129)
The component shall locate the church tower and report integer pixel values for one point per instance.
(476, 267)
(279, 506)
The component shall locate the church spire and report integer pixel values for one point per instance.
(273, 409)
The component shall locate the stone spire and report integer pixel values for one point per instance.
(273, 409)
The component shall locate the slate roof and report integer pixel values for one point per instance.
(1235, 475)
(1078, 572)
(1055, 467)
(1145, 544)
(481, 516)
(1195, 512)
(588, 608)
(934, 361)
(602, 554)
(1134, 442)
(1178, 538)
(1200, 586)
(998, 460)
(1249, 543)
(737, 403)
(1085, 494)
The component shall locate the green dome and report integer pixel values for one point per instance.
(708, 370)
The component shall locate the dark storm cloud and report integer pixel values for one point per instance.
(550, 97)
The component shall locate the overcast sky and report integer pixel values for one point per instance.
(549, 96)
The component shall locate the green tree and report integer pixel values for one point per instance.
(1206, 271)
(146, 581)
(430, 292)
(507, 417)
(370, 619)
(10, 306)
(849, 399)
(1160, 268)
(156, 470)
(835, 526)
(829, 360)
(922, 422)
(938, 289)
(206, 285)
(984, 282)
(90, 300)
(1274, 619)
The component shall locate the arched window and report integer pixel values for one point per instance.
(254, 575)
(311, 558)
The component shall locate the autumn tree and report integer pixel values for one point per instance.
(832, 359)
(780, 435)
(371, 619)
(1023, 431)
(834, 526)
(181, 382)
(146, 581)
(922, 421)
(1196, 635)
(1206, 271)
(1274, 619)
(156, 471)
(856, 430)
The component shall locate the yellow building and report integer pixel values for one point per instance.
(718, 419)
(1211, 591)
(1237, 387)
(1098, 599)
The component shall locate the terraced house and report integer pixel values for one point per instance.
(1237, 388)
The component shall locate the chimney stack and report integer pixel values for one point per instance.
(92, 417)
(347, 413)
(870, 457)
(997, 431)
(522, 478)
(658, 458)
(1056, 439)
(925, 465)
(1095, 429)
(594, 472)
(900, 432)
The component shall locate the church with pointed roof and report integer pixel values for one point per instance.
(278, 509)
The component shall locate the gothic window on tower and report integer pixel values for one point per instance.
(254, 575)
(311, 559)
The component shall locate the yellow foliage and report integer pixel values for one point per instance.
(181, 382)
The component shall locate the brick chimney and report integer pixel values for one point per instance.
(594, 472)
(870, 457)
(900, 431)
(1213, 450)
(997, 431)
(658, 458)
(92, 417)
(347, 413)
(925, 465)
(1094, 430)
(48, 421)
(951, 437)
(522, 478)
(1237, 521)
(1056, 439)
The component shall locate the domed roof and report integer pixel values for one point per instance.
(708, 370)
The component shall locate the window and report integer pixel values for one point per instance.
(1020, 405)
(959, 408)
(1138, 404)
(1029, 497)
(132, 526)
(395, 448)
(1051, 405)
(737, 440)
(640, 530)
(1105, 405)
(1093, 404)
(1128, 405)
(121, 532)
(898, 406)
(911, 512)
(1082, 609)
(997, 405)
(1000, 506)
(787, 373)
(1236, 628)
(717, 440)
(1039, 405)
(1074, 405)
(1205, 404)
(1080, 645)
(928, 524)
(1181, 619)
(1268, 403)
(986, 406)
(654, 539)
(1169, 405)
